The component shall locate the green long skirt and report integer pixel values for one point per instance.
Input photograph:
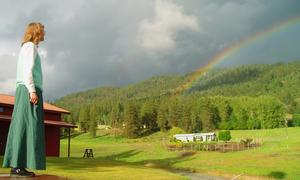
(25, 145)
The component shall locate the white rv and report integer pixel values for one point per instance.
(211, 136)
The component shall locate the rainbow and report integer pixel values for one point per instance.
(229, 51)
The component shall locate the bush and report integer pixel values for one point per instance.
(176, 130)
(174, 140)
(296, 120)
(247, 142)
(224, 135)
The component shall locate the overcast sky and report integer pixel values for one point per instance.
(116, 42)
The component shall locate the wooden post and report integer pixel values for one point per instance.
(69, 138)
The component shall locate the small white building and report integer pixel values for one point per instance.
(184, 137)
(211, 136)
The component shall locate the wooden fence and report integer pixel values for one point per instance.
(221, 147)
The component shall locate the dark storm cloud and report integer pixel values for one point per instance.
(113, 42)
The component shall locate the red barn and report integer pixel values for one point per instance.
(53, 123)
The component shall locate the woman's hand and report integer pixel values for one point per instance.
(33, 98)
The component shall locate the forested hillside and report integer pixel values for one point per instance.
(245, 97)
(280, 80)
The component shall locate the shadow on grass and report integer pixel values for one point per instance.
(37, 177)
(108, 163)
(277, 174)
(125, 154)
(114, 160)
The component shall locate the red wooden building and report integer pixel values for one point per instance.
(53, 123)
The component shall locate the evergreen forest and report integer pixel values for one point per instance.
(258, 96)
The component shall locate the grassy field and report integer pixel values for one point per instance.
(147, 157)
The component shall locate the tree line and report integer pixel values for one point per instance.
(192, 113)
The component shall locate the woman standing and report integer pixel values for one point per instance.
(25, 146)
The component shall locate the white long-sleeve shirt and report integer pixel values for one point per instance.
(29, 67)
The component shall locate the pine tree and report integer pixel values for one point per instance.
(195, 123)
(93, 120)
(174, 112)
(162, 117)
(209, 116)
(84, 118)
(228, 113)
(113, 117)
(149, 115)
(240, 121)
(132, 125)
(186, 123)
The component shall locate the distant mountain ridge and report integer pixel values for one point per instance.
(152, 87)
(280, 79)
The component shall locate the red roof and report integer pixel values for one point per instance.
(9, 100)
(47, 122)
(60, 123)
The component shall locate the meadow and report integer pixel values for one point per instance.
(117, 157)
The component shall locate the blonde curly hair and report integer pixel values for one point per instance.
(33, 33)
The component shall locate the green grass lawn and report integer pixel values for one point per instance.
(147, 157)
(279, 156)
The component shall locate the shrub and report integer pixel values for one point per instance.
(224, 135)
(247, 142)
(296, 120)
(176, 130)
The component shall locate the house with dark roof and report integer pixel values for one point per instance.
(53, 123)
